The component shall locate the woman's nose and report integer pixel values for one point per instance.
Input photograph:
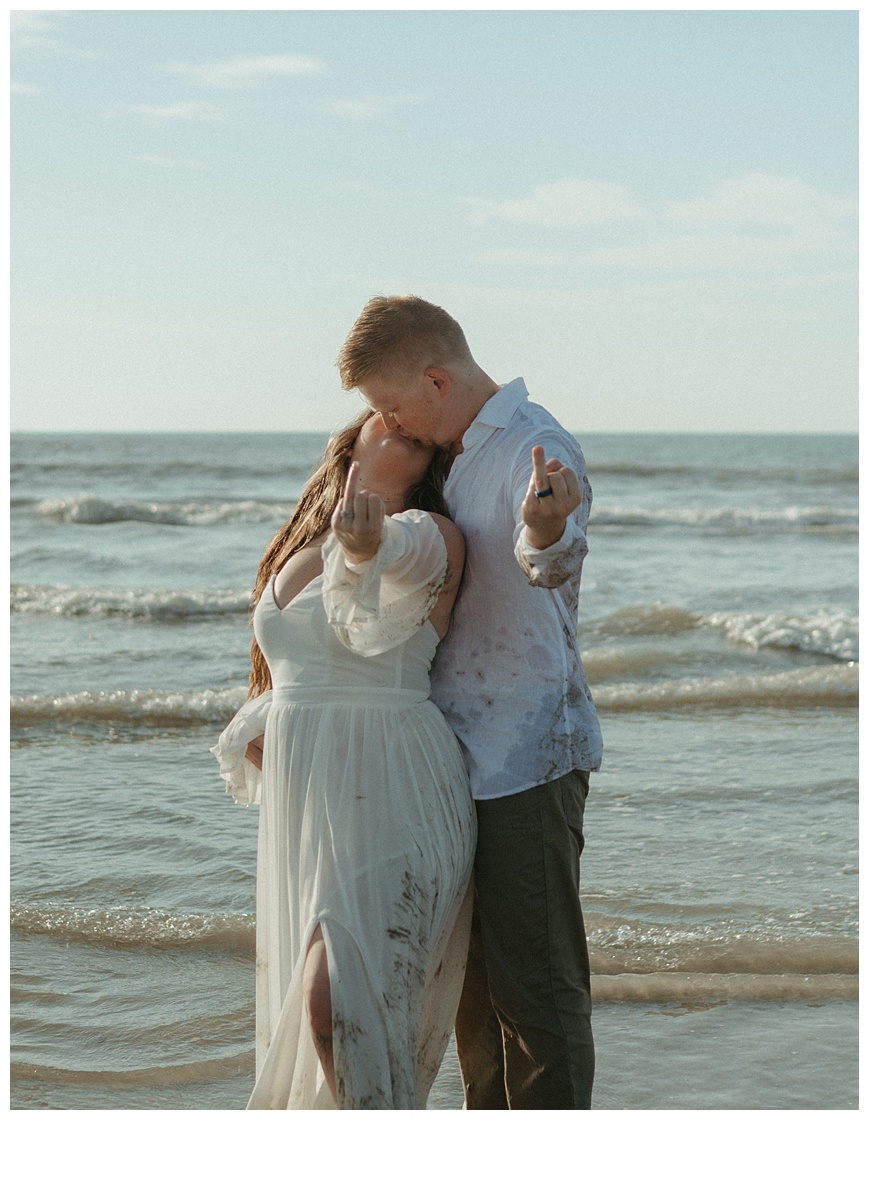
(389, 420)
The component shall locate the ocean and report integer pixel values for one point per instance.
(718, 620)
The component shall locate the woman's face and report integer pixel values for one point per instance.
(390, 463)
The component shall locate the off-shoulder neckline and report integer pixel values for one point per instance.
(270, 592)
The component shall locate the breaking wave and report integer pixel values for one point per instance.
(140, 707)
(158, 604)
(129, 927)
(796, 519)
(810, 476)
(93, 510)
(811, 687)
(834, 634)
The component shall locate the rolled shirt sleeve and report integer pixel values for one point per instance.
(558, 563)
(562, 561)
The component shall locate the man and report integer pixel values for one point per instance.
(510, 681)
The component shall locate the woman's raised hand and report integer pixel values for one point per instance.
(552, 495)
(357, 521)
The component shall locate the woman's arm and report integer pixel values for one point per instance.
(455, 544)
(384, 575)
(254, 752)
(238, 768)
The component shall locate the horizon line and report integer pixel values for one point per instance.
(592, 432)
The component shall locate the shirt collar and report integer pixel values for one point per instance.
(496, 413)
(499, 409)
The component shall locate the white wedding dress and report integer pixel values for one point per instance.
(367, 828)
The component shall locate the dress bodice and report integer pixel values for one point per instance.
(356, 636)
(304, 651)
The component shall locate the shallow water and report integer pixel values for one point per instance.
(719, 624)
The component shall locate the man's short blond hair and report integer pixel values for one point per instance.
(396, 335)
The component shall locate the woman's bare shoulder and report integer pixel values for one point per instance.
(450, 532)
(298, 571)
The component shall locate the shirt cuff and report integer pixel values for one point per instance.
(558, 563)
(538, 557)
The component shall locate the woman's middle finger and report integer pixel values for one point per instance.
(360, 510)
(348, 501)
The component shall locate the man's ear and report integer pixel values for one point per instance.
(439, 379)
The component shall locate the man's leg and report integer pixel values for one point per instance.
(479, 1040)
(536, 957)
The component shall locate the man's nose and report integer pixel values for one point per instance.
(389, 420)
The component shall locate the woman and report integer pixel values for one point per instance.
(367, 827)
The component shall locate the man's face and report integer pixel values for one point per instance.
(414, 408)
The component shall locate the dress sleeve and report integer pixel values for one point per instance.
(374, 606)
(243, 780)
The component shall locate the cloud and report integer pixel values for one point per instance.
(711, 251)
(238, 73)
(764, 199)
(563, 204)
(24, 89)
(759, 221)
(367, 108)
(159, 114)
(39, 31)
(31, 29)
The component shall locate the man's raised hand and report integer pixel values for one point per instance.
(357, 521)
(552, 495)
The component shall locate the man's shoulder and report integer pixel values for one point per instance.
(531, 413)
(533, 425)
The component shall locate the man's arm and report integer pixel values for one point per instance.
(550, 542)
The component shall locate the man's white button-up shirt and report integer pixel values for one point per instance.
(509, 677)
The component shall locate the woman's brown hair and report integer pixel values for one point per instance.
(312, 516)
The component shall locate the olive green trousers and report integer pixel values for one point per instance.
(523, 1029)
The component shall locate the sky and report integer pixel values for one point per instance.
(650, 215)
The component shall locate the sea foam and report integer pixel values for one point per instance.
(141, 707)
(159, 604)
(793, 518)
(94, 510)
(810, 687)
(831, 633)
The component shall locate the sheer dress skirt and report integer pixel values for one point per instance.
(366, 831)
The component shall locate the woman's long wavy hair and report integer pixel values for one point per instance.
(312, 516)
